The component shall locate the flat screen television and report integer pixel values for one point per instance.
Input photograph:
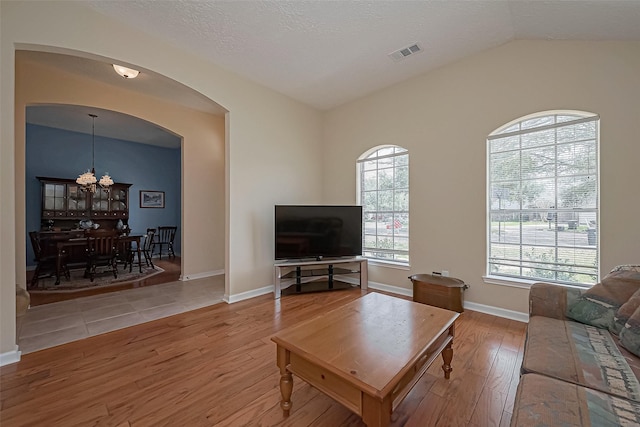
(317, 231)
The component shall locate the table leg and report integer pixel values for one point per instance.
(139, 255)
(447, 356)
(364, 275)
(276, 280)
(59, 265)
(376, 413)
(286, 380)
(131, 256)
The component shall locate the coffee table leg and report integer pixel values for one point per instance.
(286, 380)
(447, 356)
(376, 413)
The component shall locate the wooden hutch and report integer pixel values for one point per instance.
(65, 204)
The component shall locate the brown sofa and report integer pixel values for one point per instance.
(574, 373)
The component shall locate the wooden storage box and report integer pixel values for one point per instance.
(439, 291)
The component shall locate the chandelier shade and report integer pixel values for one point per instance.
(105, 181)
(86, 179)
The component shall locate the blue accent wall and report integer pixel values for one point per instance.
(60, 153)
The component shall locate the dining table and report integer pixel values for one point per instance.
(64, 247)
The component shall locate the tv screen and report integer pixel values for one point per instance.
(305, 231)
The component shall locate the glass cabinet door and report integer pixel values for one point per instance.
(53, 199)
(100, 202)
(119, 200)
(77, 205)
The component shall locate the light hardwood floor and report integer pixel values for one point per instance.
(216, 367)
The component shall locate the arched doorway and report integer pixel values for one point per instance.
(65, 79)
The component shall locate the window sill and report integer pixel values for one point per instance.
(389, 264)
(524, 284)
(511, 282)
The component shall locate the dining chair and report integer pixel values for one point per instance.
(147, 246)
(165, 236)
(126, 252)
(46, 260)
(102, 251)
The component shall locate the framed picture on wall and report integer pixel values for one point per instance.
(151, 199)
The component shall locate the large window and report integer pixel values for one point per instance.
(383, 192)
(543, 199)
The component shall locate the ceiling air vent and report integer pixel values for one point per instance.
(404, 52)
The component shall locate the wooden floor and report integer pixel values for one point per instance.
(172, 268)
(216, 367)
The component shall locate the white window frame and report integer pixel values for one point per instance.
(559, 272)
(369, 251)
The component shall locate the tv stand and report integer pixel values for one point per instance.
(295, 272)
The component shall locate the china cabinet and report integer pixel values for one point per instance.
(65, 204)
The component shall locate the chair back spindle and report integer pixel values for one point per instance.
(102, 251)
(165, 237)
(147, 246)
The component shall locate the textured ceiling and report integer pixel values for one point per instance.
(326, 53)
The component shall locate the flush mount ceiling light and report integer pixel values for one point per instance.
(127, 73)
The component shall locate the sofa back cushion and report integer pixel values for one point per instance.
(552, 300)
(630, 333)
(627, 310)
(599, 305)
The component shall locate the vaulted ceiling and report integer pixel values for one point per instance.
(327, 53)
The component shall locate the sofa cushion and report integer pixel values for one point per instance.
(630, 334)
(543, 401)
(552, 300)
(598, 306)
(626, 310)
(580, 354)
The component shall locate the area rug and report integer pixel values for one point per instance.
(101, 280)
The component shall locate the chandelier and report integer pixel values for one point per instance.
(87, 180)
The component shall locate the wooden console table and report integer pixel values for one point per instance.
(367, 354)
(298, 270)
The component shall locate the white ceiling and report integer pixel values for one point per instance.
(110, 124)
(326, 53)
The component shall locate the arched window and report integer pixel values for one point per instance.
(383, 192)
(543, 192)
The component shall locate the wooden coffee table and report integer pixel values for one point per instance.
(367, 354)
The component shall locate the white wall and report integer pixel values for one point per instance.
(272, 143)
(443, 118)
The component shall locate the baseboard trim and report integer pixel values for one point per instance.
(391, 289)
(482, 308)
(230, 299)
(10, 357)
(376, 285)
(497, 311)
(201, 275)
(487, 309)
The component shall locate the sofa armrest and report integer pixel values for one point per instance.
(552, 300)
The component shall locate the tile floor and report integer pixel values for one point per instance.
(50, 325)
